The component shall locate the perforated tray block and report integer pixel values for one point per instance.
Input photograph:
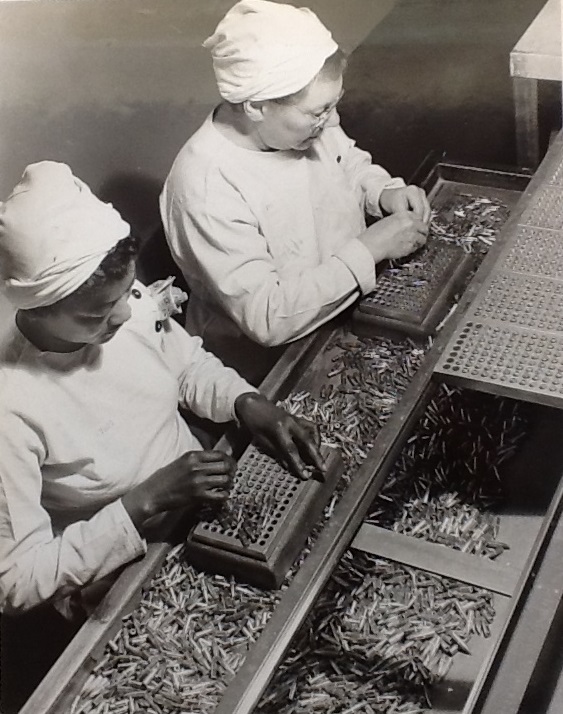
(523, 300)
(535, 251)
(510, 340)
(271, 514)
(506, 360)
(546, 209)
(555, 174)
(414, 304)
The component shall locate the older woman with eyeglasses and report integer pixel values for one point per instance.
(264, 207)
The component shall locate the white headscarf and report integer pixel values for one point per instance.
(54, 233)
(266, 50)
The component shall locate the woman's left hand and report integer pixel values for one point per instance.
(293, 441)
(407, 198)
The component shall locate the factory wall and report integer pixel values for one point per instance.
(115, 87)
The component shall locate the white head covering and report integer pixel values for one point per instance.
(266, 50)
(54, 233)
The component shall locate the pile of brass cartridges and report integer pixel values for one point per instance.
(378, 638)
(447, 479)
(366, 379)
(382, 634)
(469, 221)
(180, 647)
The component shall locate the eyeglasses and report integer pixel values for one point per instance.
(319, 119)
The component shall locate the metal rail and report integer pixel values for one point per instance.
(507, 675)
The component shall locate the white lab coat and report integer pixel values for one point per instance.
(268, 241)
(79, 430)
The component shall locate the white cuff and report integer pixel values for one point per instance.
(360, 262)
(373, 188)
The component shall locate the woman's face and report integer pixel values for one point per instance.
(91, 318)
(296, 125)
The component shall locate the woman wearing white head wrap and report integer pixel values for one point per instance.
(265, 50)
(91, 376)
(264, 207)
(53, 235)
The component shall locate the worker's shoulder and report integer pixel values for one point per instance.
(206, 157)
(334, 140)
(21, 377)
(14, 351)
(144, 308)
(206, 147)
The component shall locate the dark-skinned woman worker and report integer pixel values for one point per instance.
(92, 444)
(264, 207)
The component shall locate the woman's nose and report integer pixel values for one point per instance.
(333, 118)
(120, 314)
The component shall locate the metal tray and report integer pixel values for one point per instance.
(510, 341)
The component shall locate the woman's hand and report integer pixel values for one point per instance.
(407, 198)
(195, 479)
(394, 236)
(293, 441)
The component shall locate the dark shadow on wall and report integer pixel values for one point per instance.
(135, 196)
(434, 76)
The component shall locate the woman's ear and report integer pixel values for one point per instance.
(254, 110)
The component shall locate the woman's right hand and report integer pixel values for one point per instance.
(195, 479)
(395, 236)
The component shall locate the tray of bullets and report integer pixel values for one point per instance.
(413, 295)
(263, 527)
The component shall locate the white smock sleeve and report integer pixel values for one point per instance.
(36, 564)
(223, 239)
(206, 386)
(369, 179)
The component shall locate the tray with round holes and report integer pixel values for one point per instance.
(530, 301)
(263, 527)
(509, 340)
(414, 297)
(507, 360)
(546, 210)
(536, 251)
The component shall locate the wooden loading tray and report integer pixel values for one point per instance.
(278, 513)
(415, 301)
